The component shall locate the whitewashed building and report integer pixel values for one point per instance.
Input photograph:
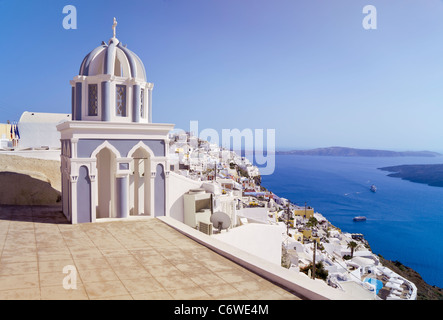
(114, 160)
(39, 129)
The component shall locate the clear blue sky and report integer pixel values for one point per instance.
(306, 68)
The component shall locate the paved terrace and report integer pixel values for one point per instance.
(131, 259)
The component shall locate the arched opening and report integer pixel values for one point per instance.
(140, 183)
(106, 164)
(118, 70)
(121, 64)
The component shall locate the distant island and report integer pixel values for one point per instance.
(352, 152)
(430, 174)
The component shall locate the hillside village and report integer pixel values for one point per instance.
(272, 227)
(114, 163)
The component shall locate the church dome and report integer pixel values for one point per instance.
(113, 59)
(111, 86)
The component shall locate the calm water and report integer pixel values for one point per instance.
(404, 219)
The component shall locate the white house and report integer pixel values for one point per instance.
(40, 129)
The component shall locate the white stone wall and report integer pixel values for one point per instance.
(178, 186)
(261, 240)
(36, 135)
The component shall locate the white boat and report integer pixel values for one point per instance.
(360, 218)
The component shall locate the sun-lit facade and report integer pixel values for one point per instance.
(114, 160)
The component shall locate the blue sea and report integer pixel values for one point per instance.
(404, 219)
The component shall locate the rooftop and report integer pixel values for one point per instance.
(131, 259)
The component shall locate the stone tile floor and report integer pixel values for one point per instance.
(132, 259)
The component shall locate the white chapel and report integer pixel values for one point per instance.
(114, 160)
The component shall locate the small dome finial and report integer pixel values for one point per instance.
(114, 26)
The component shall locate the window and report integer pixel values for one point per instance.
(120, 100)
(142, 103)
(92, 100)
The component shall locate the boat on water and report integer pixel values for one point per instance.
(360, 218)
(373, 188)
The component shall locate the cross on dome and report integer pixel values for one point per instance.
(113, 58)
(114, 26)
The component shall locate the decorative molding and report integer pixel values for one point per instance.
(104, 145)
(144, 147)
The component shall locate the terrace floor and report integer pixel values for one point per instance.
(131, 259)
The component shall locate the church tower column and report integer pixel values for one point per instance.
(122, 191)
(78, 102)
(73, 189)
(106, 101)
(150, 105)
(73, 100)
(136, 93)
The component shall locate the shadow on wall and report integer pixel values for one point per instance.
(21, 189)
(177, 210)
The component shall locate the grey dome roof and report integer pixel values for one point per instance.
(113, 59)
